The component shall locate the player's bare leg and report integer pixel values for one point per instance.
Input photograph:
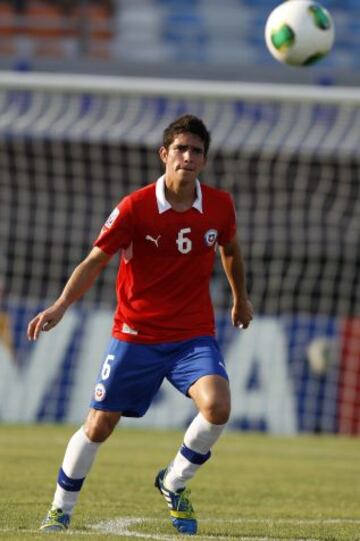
(79, 457)
(100, 424)
(211, 394)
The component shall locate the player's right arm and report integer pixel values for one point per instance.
(80, 281)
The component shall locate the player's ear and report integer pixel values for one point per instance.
(163, 154)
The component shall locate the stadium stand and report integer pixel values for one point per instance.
(217, 33)
(167, 38)
(36, 29)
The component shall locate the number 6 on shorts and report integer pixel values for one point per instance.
(105, 371)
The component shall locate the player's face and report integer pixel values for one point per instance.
(184, 159)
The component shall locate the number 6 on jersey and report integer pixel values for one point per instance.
(184, 243)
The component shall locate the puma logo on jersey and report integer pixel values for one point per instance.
(155, 241)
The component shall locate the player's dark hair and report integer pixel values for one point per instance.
(187, 124)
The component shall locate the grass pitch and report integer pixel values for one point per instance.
(255, 487)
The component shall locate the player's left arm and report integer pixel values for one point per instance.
(233, 264)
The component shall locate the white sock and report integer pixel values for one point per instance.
(79, 457)
(198, 440)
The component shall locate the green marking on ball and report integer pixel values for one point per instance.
(320, 17)
(283, 37)
(313, 59)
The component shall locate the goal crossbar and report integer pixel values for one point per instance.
(177, 88)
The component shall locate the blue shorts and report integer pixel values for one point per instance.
(132, 374)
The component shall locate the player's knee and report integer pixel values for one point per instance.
(100, 424)
(217, 413)
(97, 434)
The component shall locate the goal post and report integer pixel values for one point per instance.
(71, 146)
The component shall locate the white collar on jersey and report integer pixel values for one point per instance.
(164, 205)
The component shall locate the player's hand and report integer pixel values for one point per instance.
(242, 314)
(45, 321)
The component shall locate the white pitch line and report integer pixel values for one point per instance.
(121, 527)
(159, 537)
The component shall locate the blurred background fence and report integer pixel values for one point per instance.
(72, 146)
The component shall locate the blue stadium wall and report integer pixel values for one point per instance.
(276, 385)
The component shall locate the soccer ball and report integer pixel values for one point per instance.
(299, 32)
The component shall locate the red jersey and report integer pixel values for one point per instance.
(167, 261)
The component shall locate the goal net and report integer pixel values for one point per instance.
(72, 146)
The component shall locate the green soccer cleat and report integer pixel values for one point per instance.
(181, 510)
(55, 521)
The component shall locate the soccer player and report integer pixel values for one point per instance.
(167, 233)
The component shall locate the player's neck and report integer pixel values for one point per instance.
(180, 196)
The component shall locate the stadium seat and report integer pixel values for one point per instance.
(8, 21)
(99, 30)
(9, 29)
(44, 20)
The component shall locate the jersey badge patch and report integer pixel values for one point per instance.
(100, 392)
(211, 237)
(111, 219)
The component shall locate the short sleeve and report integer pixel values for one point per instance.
(229, 229)
(117, 232)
